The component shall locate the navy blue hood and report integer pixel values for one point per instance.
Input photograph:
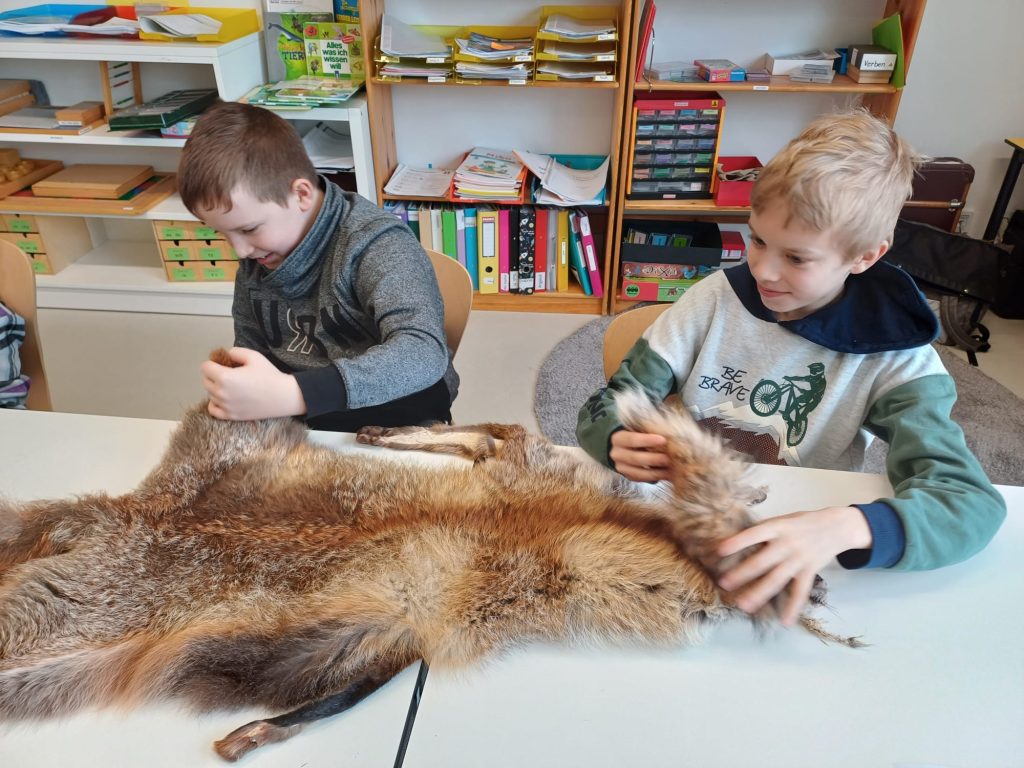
(881, 310)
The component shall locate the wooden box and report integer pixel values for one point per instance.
(56, 241)
(200, 271)
(93, 180)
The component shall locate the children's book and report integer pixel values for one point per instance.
(286, 48)
(334, 50)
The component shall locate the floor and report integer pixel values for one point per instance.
(146, 366)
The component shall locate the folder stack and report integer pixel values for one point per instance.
(489, 175)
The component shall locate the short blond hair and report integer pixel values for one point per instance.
(238, 145)
(848, 174)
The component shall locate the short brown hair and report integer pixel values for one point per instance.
(235, 145)
(848, 174)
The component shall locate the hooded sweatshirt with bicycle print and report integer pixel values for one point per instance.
(812, 393)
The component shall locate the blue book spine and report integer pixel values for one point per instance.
(471, 255)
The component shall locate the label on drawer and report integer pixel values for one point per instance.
(183, 274)
(206, 233)
(177, 253)
(213, 273)
(29, 246)
(171, 233)
(19, 225)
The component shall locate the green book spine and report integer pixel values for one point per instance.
(448, 233)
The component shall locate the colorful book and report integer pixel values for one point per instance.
(472, 265)
(563, 250)
(540, 251)
(413, 210)
(577, 262)
(334, 50)
(513, 249)
(552, 249)
(449, 233)
(527, 249)
(436, 230)
(460, 236)
(488, 249)
(589, 253)
(503, 246)
(426, 228)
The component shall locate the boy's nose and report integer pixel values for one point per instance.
(242, 248)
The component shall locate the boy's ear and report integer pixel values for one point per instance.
(305, 192)
(869, 258)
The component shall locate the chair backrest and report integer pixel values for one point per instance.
(622, 333)
(457, 292)
(18, 293)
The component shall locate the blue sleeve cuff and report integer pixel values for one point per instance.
(887, 537)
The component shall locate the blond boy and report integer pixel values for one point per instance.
(802, 354)
(337, 313)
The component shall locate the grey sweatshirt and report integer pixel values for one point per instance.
(354, 312)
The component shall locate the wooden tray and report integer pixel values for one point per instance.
(93, 180)
(43, 169)
(138, 201)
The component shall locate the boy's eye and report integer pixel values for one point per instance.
(795, 259)
(757, 242)
(249, 230)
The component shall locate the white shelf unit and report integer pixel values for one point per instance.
(127, 275)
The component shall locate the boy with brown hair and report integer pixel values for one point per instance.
(338, 316)
(800, 356)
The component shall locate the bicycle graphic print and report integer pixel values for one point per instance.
(796, 398)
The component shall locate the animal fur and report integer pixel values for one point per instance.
(253, 568)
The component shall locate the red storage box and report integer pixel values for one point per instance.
(735, 192)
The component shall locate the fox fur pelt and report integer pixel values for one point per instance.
(253, 568)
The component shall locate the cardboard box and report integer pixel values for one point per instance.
(735, 192)
(872, 58)
(868, 76)
(649, 289)
(786, 63)
(200, 271)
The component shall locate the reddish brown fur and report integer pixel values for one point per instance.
(251, 567)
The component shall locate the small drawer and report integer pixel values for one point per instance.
(213, 250)
(28, 242)
(200, 271)
(41, 263)
(17, 222)
(177, 250)
(174, 230)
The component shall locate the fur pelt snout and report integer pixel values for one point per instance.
(251, 567)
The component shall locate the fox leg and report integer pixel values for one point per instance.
(476, 443)
(203, 448)
(259, 732)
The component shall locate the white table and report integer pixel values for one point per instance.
(63, 454)
(942, 683)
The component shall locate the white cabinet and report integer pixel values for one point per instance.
(123, 272)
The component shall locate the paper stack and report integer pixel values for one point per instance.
(562, 185)
(302, 93)
(494, 175)
(572, 28)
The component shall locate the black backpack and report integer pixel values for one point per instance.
(959, 274)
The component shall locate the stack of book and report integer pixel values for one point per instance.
(303, 93)
(489, 175)
(510, 249)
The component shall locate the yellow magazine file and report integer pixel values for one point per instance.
(487, 249)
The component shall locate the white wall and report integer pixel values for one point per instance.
(966, 92)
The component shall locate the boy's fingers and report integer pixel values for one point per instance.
(799, 591)
(757, 534)
(752, 599)
(749, 569)
(640, 440)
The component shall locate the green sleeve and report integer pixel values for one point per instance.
(642, 369)
(947, 506)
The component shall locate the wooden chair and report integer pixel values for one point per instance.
(18, 293)
(457, 292)
(624, 330)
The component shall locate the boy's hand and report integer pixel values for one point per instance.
(796, 547)
(253, 390)
(639, 456)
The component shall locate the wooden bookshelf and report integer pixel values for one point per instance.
(386, 156)
(881, 98)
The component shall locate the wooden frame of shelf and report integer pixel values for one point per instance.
(385, 157)
(882, 99)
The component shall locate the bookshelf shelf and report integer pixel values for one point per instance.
(880, 98)
(170, 207)
(101, 135)
(606, 109)
(841, 84)
(414, 82)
